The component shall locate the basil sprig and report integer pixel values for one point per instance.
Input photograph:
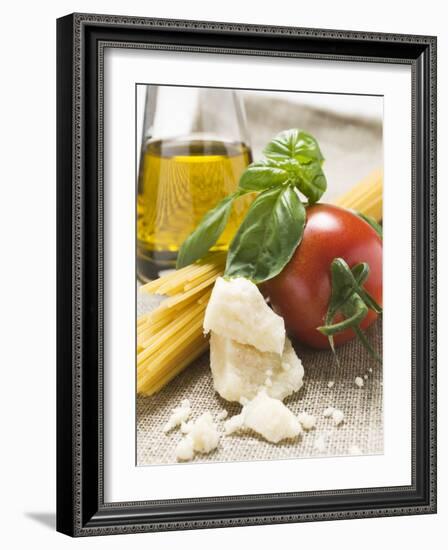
(292, 158)
(273, 226)
(208, 231)
(349, 298)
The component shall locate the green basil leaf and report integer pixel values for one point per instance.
(295, 144)
(311, 181)
(208, 231)
(269, 235)
(298, 153)
(261, 175)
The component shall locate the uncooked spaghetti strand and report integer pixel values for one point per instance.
(166, 335)
(154, 341)
(174, 367)
(194, 329)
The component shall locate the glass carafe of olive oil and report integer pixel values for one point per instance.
(194, 150)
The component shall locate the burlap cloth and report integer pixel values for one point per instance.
(352, 148)
(360, 433)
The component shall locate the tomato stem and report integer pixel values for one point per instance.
(349, 298)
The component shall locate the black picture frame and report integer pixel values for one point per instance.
(81, 39)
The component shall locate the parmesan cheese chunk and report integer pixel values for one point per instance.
(202, 437)
(238, 311)
(268, 417)
(239, 371)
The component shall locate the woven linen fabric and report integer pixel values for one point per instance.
(360, 433)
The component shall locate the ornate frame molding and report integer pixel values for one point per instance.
(81, 42)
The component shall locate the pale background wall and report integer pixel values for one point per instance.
(27, 306)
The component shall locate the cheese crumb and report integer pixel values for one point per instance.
(179, 414)
(308, 421)
(222, 415)
(370, 370)
(328, 412)
(184, 449)
(268, 417)
(234, 424)
(202, 437)
(359, 382)
(320, 443)
(366, 377)
(330, 384)
(337, 416)
(185, 427)
(204, 433)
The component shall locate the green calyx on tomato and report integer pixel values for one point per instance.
(274, 224)
(351, 300)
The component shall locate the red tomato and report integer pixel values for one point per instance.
(301, 292)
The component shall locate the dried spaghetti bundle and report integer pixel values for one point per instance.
(366, 197)
(170, 337)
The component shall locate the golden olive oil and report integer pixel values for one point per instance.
(179, 181)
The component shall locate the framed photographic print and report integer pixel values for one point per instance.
(246, 274)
